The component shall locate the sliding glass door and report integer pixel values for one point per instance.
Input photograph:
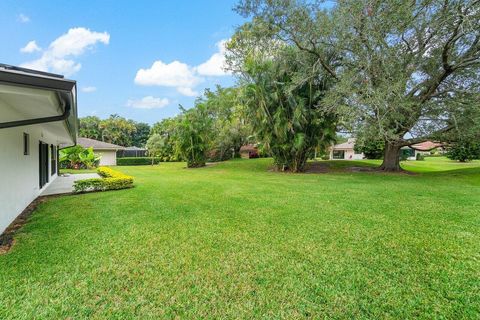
(43, 163)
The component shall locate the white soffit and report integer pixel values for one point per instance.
(22, 103)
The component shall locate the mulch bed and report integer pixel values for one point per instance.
(323, 167)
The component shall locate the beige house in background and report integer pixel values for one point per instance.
(107, 151)
(345, 151)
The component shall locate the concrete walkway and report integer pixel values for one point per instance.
(64, 183)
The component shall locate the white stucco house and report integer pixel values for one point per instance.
(107, 151)
(345, 151)
(38, 112)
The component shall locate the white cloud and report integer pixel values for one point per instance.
(181, 76)
(148, 102)
(58, 57)
(23, 18)
(31, 47)
(89, 89)
(189, 92)
(215, 66)
(175, 74)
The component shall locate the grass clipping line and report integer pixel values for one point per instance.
(110, 180)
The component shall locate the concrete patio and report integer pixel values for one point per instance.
(64, 183)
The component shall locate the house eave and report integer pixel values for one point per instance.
(63, 88)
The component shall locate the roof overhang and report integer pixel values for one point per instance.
(29, 97)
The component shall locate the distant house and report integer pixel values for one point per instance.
(345, 151)
(107, 151)
(38, 113)
(132, 152)
(249, 151)
(423, 148)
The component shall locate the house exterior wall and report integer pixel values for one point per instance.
(19, 183)
(109, 157)
(349, 154)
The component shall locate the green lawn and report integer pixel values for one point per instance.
(235, 240)
(77, 171)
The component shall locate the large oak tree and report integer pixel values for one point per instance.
(407, 66)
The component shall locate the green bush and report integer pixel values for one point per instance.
(110, 180)
(420, 157)
(137, 161)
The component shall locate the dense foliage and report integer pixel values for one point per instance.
(137, 161)
(166, 129)
(194, 134)
(222, 112)
(154, 146)
(231, 130)
(115, 129)
(406, 67)
(389, 73)
(464, 150)
(283, 90)
(372, 148)
(77, 157)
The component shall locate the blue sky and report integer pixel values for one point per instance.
(139, 59)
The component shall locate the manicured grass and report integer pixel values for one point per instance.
(77, 171)
(237, 241)
(432, 164)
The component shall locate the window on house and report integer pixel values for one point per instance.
(26, 144)
(338, 154)
(53, 159)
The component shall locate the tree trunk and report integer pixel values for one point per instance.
(391, 158)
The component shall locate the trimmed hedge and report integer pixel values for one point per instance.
(110, 180)
(137, 161)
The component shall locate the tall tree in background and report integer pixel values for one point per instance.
(154, 146)
(283, 89)
(117, 130)
(230, 128)
(404, 66)
(142, 132)
(166, 129)
(89, 128)
(464, 145)
(408, 66)
(194, 135)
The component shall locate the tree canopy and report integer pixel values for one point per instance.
(115, 129)
(405, 69)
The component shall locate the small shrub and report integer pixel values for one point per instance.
(420, 157)
(110, 180)
(137, 161)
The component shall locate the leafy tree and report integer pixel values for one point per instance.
(283, 92)
(166, 129)
(154, 146)
(371, 147)
(117, 130)
(141, 134)
(404, 64)
(194, 134)
(77, 157)
(230, 128)
(464, 150)
(89, 127)
(408, 65)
